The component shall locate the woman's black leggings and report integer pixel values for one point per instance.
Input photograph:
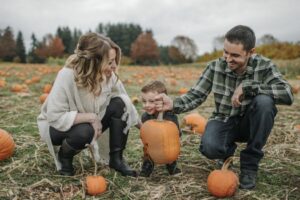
(81, 134)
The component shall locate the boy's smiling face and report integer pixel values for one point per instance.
(148, 102)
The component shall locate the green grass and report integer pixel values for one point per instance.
(30, 173)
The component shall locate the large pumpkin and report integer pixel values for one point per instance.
(95, 185)
(222, 183)
(7, 145)
(194, 122)
(161, 140)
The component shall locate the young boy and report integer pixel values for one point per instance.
(149, 91)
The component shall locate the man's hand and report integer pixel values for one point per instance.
(163, 102)
(237, 96)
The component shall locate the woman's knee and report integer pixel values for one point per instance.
(82, 135)
(116, 106)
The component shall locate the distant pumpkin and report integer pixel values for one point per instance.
(194, 122)
(7, 145)
(47, 88)
(43, 98)
(183, 91)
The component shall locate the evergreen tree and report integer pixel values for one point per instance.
(32, 56)
(20, 48)
(7, 45)
(66, 36)
(122, 34)
(75, 37)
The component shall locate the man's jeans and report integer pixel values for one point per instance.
(218, 141)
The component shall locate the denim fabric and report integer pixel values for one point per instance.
(220, 137)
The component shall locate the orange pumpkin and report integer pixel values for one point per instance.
(183, 90)
(2, 83)
(135, 100)
(7, 145)
(16, 88)
(47, 88)
(222, 183)
(194, 122)
(43, 97)
(161, 140)
(95, 185)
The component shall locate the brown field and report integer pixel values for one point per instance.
(30, 172)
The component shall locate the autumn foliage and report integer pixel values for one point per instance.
(144, 49)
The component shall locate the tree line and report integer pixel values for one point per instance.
(138, 45)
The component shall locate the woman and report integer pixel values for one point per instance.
(87, 98)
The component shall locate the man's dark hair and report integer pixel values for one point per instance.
(242, 34)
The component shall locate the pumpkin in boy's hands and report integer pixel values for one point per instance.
(95, 185)
(161, 140)
(194, 122)
(7, 145)
(224, 182)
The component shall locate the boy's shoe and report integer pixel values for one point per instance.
(172, 168)
(247, 179)
(147, 168)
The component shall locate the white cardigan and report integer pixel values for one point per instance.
(66, 100)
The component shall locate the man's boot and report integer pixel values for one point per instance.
(117, 143)
(247, 179)
(65, 157)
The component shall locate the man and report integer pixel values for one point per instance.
(246, 88)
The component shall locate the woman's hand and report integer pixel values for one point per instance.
(97, 125)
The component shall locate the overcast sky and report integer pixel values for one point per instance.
(201, 20)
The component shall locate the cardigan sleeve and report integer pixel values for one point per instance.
(59, 115)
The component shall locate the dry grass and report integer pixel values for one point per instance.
(30, 173)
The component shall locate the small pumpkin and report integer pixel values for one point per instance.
(222, 183)
(47, 88)
(194, 122)
(161, 140)
(183, 91)
(43, 97)
(7, 145)
(2, 83)
(135, 100)
(95, 185)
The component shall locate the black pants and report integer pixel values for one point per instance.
(81, 134)
(218, 141)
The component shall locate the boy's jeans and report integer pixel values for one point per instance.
(218, 141)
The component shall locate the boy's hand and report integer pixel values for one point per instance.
(163, 102)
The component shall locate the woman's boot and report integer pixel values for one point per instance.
(117, 144)
(65, 157)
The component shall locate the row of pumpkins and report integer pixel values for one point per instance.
(162, 144)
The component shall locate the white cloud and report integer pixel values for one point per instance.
(201, 20)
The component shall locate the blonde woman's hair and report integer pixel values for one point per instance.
(89, 60)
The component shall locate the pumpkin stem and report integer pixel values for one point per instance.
(93, 158)
(160, 116)
(227, 163)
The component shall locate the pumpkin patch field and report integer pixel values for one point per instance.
(27, 170)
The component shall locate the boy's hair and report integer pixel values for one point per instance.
(154, 86)
(242, 34)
